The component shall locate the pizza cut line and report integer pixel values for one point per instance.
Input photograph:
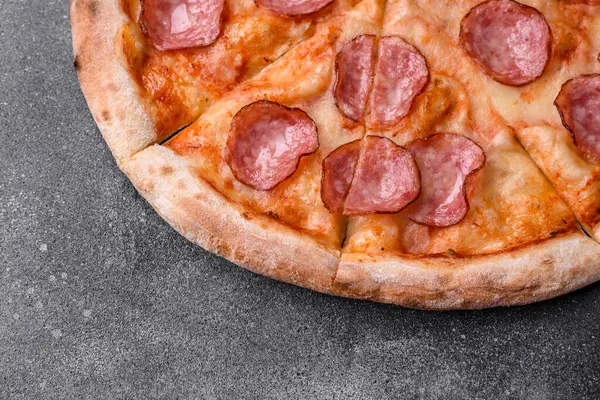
(417, 152)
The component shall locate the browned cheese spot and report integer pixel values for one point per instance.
(166, 170)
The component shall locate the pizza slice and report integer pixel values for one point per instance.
(151, 67)
(244, 179)
(557, 115)
(481, 226)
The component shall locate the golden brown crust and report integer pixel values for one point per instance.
(111, 92)
(533, 273)
(202, 215)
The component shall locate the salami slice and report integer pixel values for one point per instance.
(400, 75)
(178, 24)
(445, 161)
(338, 170)
(355, 76)
(386, 179)
(293, 7)
(267, 141)
(579, 106)
(510, 41)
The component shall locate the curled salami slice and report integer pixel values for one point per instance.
(510, 41)
(354, 76)
(386, 179)
(445, 161)
(338, 170)
(178, 24)
(293, 7)
(267, 141)
(579, 106)
(400, 75)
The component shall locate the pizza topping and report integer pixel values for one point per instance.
(338, 170)
(386, 179)
(293, 7)
(178, 24)
(445, 161)
(510, 41)
(267, 141)
(400, 75)
(579, 106)
(354, 76)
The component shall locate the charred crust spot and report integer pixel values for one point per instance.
(273, 215)
(106, 115)
(94, 8)
(166, 170)
(548, 261)
(223, 248)
(149, 187)
(77, 64)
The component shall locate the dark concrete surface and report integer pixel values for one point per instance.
(101, 299)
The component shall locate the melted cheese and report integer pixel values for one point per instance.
(303, 78)
(512, 204)
(180, 85)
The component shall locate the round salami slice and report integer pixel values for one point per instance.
(445, 161)
(579, 106)
(510, 41)
(338, 170)
(354, 76)
(267, 141)
(400, 75)
(293, 7)
(178, 24)
(386, 179)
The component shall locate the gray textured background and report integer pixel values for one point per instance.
(99, 298)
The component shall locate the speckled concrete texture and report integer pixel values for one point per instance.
(101, 299)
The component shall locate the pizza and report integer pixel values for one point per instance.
(425, 153)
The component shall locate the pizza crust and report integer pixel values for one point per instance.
(533, 273)
(112, 95)
(204, 216)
